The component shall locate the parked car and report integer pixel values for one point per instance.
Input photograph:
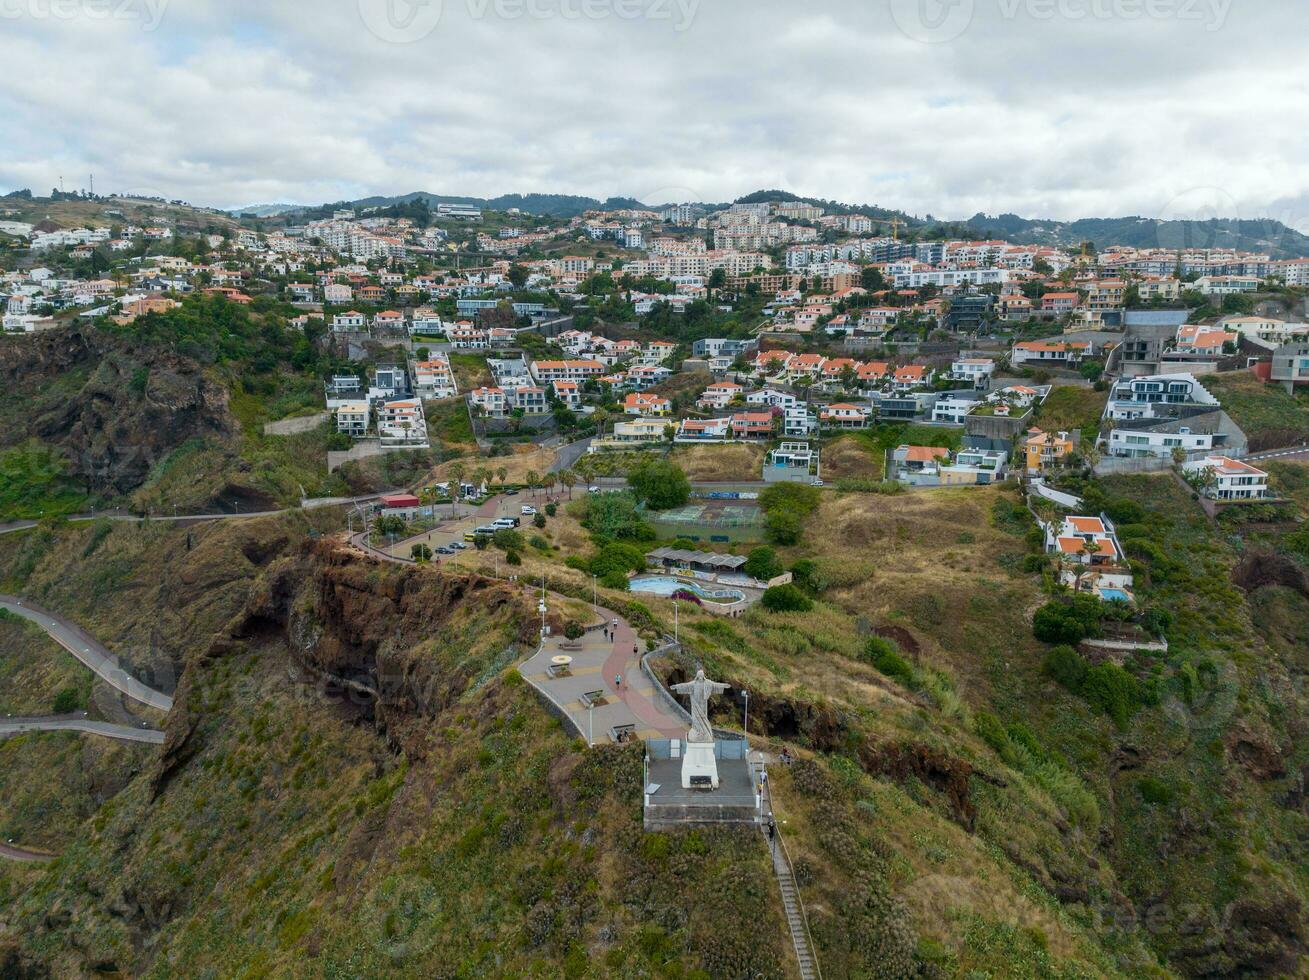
(458, 545)
(506, 522)
(529, 510)
(593, 490)
(445, 550)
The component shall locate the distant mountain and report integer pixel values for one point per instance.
(265, 210)
(547, 205)
(1263, 236)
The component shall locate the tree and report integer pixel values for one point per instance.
(762, 565)
(517, 275)
(420, 553)
(660, 484)
(569, 480)
(538, 521)
(573, 630)
(533, 481)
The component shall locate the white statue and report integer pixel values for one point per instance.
(700, 690)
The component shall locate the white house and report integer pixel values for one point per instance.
(976, 371)
(352, 418)
(1224, 478)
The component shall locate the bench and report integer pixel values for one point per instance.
(622, 733)
(592, 699)
(557, 670)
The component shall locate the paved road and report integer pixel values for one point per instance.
(118, 515)
(570, 454)
(11, 853)
(71, 723)
(1300, 453)
(89, 651)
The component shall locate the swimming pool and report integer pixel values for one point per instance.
(1114, 595)
(666, 585)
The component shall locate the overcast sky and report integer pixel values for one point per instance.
(1046, 108)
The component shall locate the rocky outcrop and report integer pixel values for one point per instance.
(130, 407)
(1261, 568)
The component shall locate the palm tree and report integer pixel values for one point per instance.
(456, 478)
(484, 477)
(569, 479)
(503, 474)
(533, 480)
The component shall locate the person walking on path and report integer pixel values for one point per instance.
(618, 681)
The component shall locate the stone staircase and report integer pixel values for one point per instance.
(795, 916)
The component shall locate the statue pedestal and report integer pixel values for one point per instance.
(699, 767)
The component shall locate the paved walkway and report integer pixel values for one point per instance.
(89, 651)
(75, 723)
(595, 665)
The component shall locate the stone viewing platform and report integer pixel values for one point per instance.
(736, 800)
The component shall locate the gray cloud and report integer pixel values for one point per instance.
(1045, 114)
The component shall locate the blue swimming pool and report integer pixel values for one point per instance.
(666, 585)
(1114, 595)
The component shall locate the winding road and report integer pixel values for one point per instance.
(89, 651)
(11, 853)
(73, 723)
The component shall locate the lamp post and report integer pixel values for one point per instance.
(595, 593)
(746, 695)
(590, 726)
(541, 608)
(675, 622)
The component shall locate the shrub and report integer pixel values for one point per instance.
(1054, 623)
(66, 701)
(1154, 792)
(885, 656)
(762, 564)
(513, 558)
(1066, 666)
(551, 509)
(807, 576)
(508, 540)
(538, 521)
(615, 580)
(1112, 690)
(617, 557)
(990, 731)
(786, 598)
(574, 630)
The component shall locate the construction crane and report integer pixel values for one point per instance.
(895, 227)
